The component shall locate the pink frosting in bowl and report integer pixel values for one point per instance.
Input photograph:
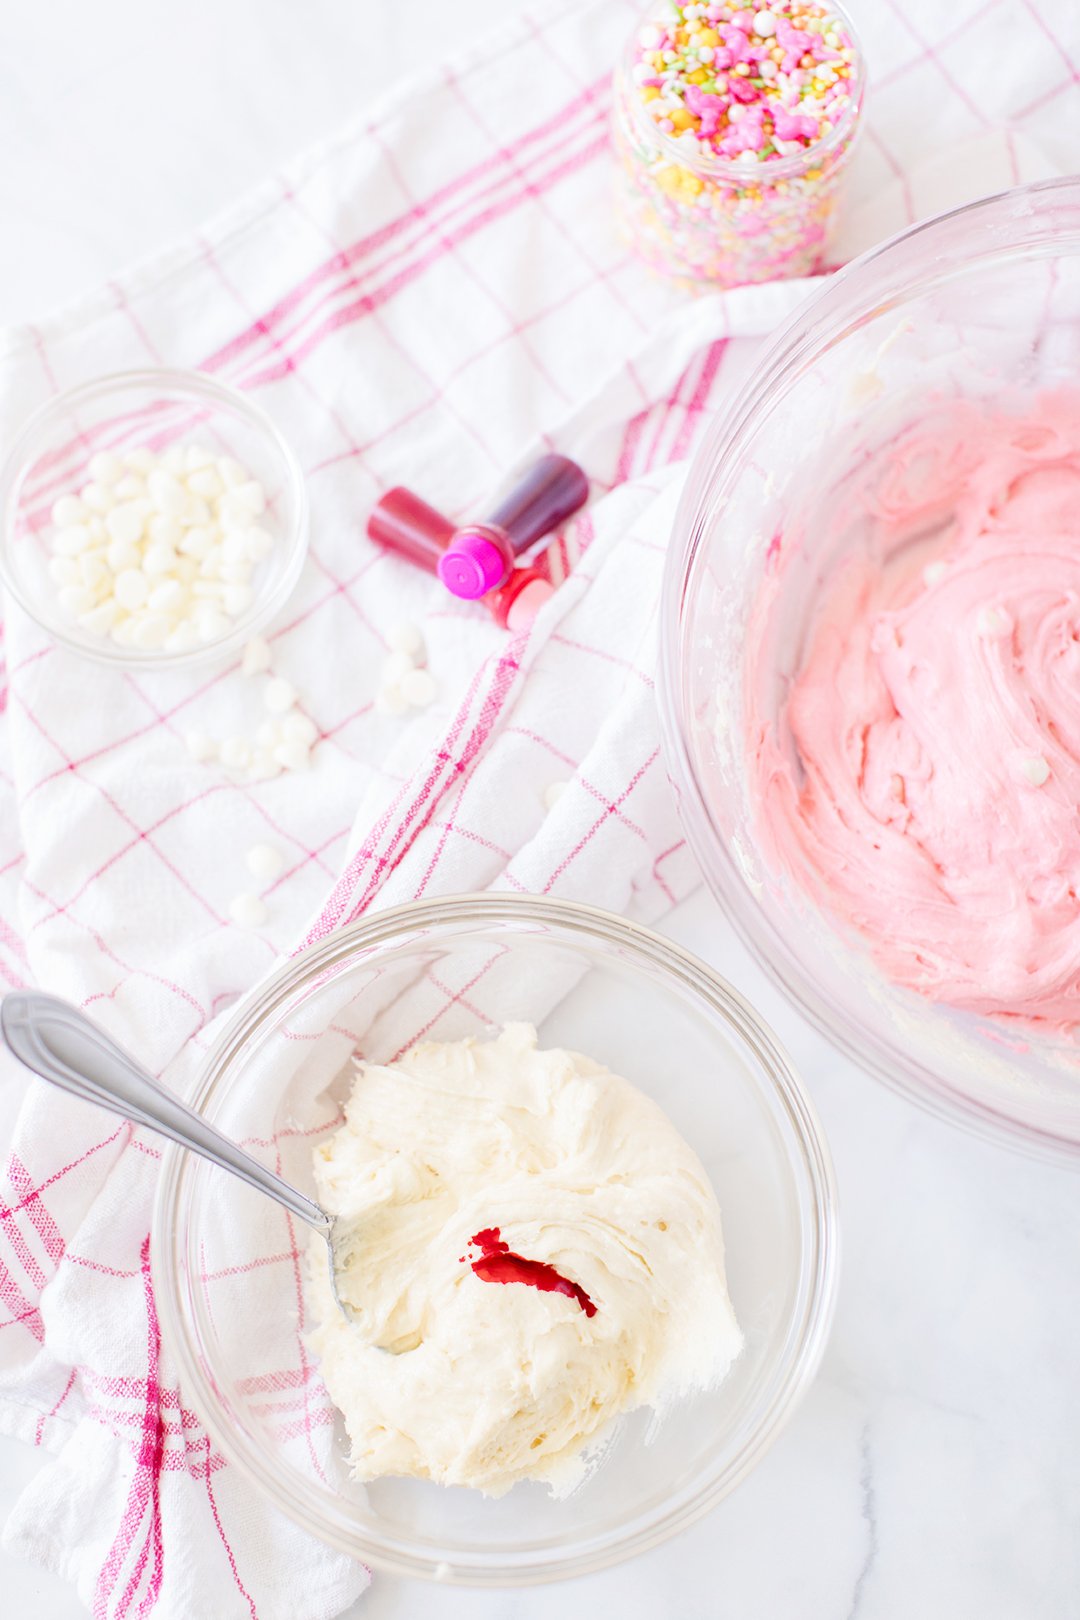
(921, 777)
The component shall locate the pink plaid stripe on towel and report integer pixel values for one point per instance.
(409, 310)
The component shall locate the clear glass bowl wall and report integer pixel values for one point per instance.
(276, 1081)
(983, 303)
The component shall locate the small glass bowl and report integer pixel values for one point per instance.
(981, 304)
(122, 412)
(446, 969)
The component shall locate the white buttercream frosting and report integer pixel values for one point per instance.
(580, 1172)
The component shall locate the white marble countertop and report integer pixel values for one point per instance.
(934, 1469)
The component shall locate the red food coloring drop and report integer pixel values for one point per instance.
(499, 1264)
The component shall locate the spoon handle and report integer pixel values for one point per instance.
(63, 1046)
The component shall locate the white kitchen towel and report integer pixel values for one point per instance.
(409, 309)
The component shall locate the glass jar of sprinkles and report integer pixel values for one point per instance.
(732, 128)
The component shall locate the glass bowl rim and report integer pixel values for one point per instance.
(197, 385)
(807, 1334)
(827, 315)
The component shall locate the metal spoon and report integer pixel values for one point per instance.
(63, 1046)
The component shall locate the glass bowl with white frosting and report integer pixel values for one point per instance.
(243, 1324)
(870, 627)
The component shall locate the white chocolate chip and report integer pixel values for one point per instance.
(125, 523)
(165, 490)
(256, 657)
(390, 700)
(280, 695)
(132, 588)
(206, 482)
(1034, 769)
(65, 571)
(296, 727)
(235, 753)
(197, 456)
(93, 570)
(292, 756)
(234, 547)
(992, 623)
(406, 638)
(234, 573)
(159, 559)
(168, 597)
(183, 639)
(70, 541)
(419, 688)
(75, 600)
(120, 555)
(210, 626)
(236, 599)
(259, 543)
(263, 766)
(252, 495)
(196, 543)
(151, 630)
(69, 510)
(395, 667)
(196, 510)
(97, 498)
(100, 620)
(165, 529)
(933, 574)
(264, 862)
(247, 911)
(105, 468)
(234, 512)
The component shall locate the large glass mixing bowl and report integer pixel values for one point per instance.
(978, 304)
(228, 1276)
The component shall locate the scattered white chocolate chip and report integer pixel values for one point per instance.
(296, 727)
(389, 700)
(247, 911)
(992, 623)
(933, 574)
(1034, 769)
(236, 753)
(264, 862)
(406, 638)
(553, 793)
(395, 667)
(256, 657)
(280, 695)
(263, 766)
(292, 756)
(201, 746)
(419, 688)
